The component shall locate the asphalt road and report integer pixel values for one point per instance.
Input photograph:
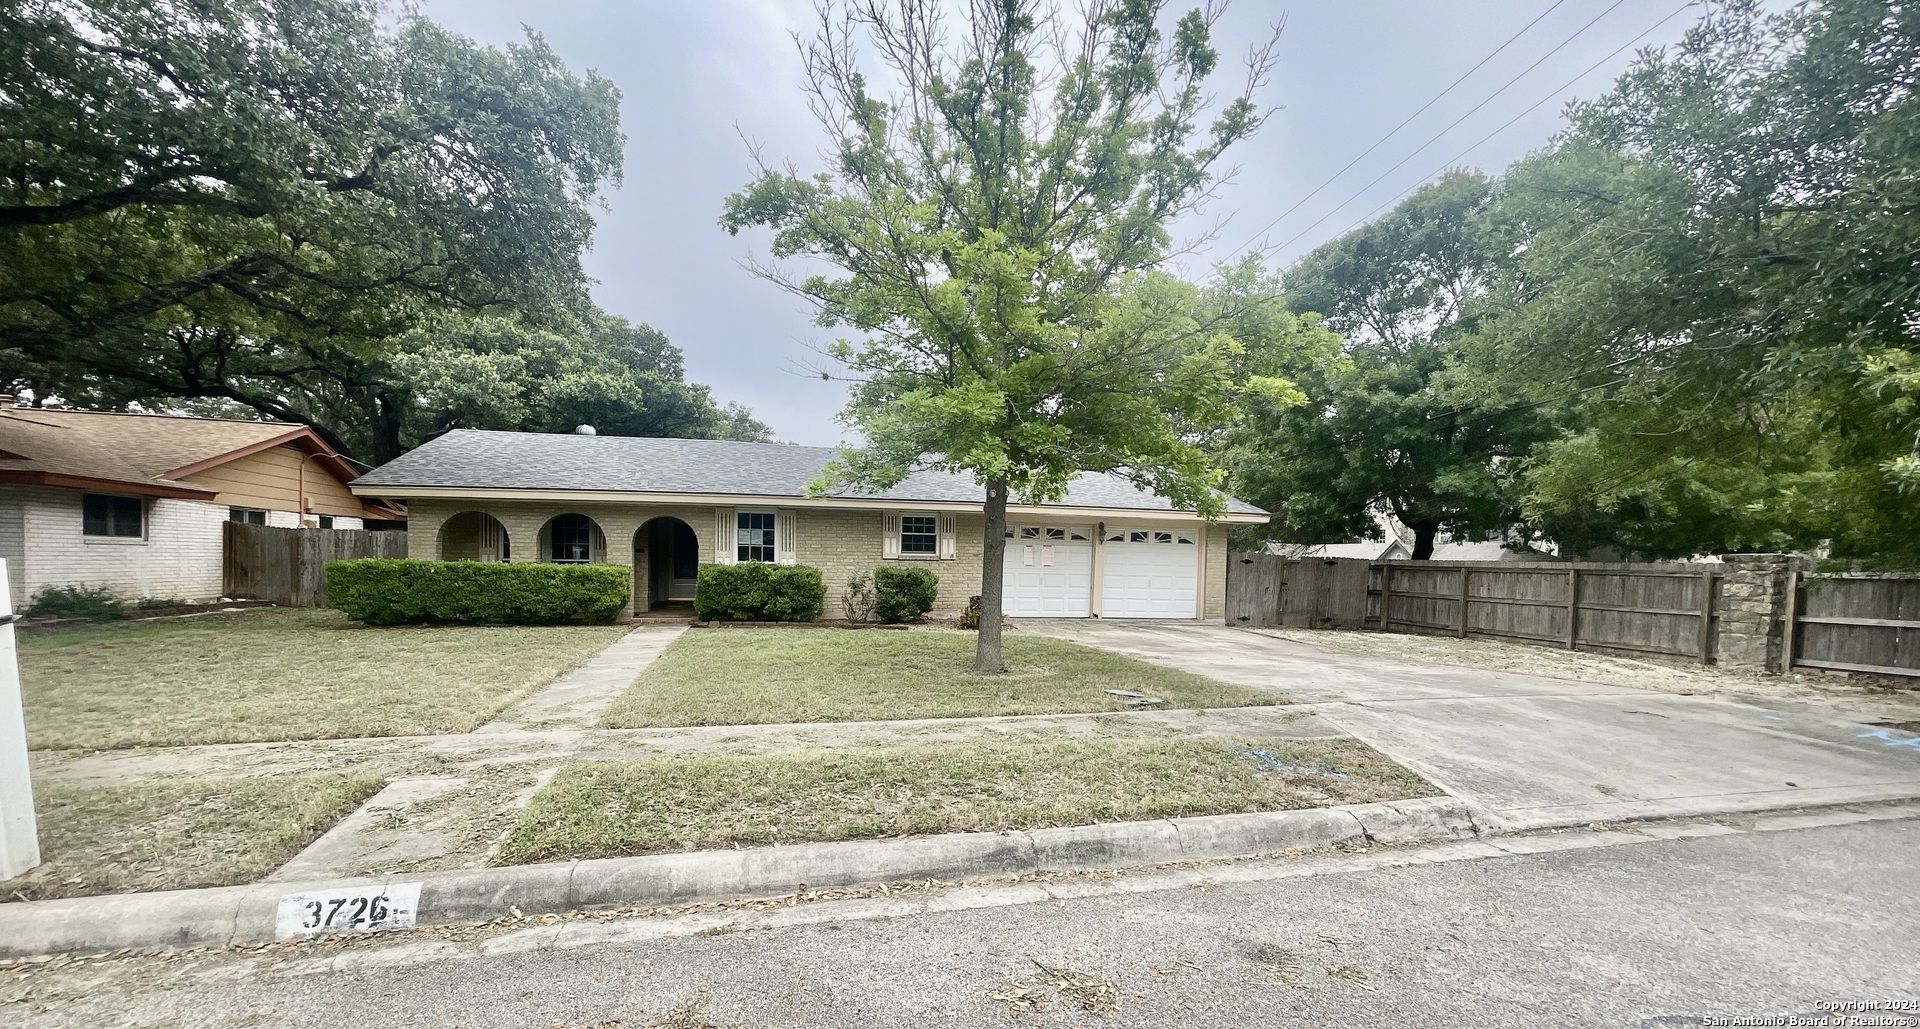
(1648, 934)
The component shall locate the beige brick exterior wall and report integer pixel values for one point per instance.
(838, 542)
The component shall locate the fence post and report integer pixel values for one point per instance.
(1386, 596)
(1792, 615)
(1465, 577)
(1706, 615)
(1573, 608)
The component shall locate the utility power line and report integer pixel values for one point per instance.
(1437, 97)
(1436, 137)
(1570, 83)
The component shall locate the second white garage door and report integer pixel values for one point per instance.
(1150, 573)
(1048, 572)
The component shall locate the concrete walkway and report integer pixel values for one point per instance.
(577, 699)
(1534, 751)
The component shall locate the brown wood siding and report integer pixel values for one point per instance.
(271, 480)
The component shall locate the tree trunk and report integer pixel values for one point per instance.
(986, 655)
(386, 429)
(1424, 535)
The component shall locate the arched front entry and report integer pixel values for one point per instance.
(666, 563)
(474, 536)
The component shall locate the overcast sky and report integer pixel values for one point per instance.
(698, 76)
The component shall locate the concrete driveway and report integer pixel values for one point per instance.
(1534, 751)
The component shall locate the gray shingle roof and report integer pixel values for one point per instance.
(477, 459)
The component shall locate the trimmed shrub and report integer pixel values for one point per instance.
(903, 594)
(754, 591)
(397, 591)
(94, 603)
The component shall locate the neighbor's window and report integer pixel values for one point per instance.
(755, 535)
(326, 521)
(571, 539)
(919, 534)
(102, 515)
(249, 515)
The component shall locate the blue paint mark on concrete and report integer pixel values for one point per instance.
(1773, 718)
(1270, 763)
(1887, 737)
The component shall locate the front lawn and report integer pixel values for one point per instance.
(179, 834)
(289, 674)
(612, 808)
(770, 676)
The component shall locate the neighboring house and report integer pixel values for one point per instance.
(665, 506)
(136, 502)
(1366, 550)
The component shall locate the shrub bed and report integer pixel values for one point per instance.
(903, 594)
(396, 591)
(754, 591)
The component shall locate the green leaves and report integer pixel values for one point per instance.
(995, 245)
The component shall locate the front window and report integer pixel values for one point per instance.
(919, 534)
(755, 536)
(571, 538)
(102, 515)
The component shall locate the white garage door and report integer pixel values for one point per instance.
(1150, 573)
(1049, 572)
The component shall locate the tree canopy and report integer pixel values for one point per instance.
(1713, 271)
(324, 211)
(995, 216)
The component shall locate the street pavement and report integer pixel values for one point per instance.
(1535, 751)
(1648, 932)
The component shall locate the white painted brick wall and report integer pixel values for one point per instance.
(179, 559)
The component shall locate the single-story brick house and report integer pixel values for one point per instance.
(665, 506)
(136, 502)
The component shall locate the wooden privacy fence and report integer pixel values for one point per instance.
(289, 566)
(1855, 623)
(1754, 611)
(1665, 609)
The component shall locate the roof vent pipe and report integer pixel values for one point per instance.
(585, 430)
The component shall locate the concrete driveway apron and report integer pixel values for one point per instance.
(1534, 751)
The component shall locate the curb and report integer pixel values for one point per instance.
(230, 915)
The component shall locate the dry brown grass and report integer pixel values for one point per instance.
(179, 834)
(770, 676)
(610, 808)
(281, 675)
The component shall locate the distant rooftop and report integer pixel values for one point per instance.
(567, 462)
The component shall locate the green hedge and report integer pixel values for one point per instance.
(389, 591)
(754, 591)
(903, 594)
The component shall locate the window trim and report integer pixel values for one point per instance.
(932, 536)
(140, 509)
(772, 546)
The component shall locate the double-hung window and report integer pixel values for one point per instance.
(919, 534)
(117, 517)
(754, 536)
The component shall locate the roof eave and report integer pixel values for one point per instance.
(139, 488)
(777, 500)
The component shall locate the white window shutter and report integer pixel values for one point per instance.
(947, 531)
(890, 536)
(726, 535)
(786, 533)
